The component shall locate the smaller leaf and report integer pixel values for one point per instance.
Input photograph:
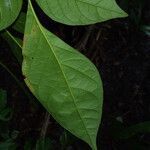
(15, 45)
(19, 25)
(9, 11)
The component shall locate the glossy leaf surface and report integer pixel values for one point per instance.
(65, 82)
(81, 12)
(9, 10)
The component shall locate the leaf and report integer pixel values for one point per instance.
(81, 12)
(14, 42)
(3, 99)
(19, 25)
(15, 45)
(63, 80)
(9, 10)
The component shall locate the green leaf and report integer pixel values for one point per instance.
(15, 45)
(81, 12)
(65, 82)
(9, 10)
(19, 25)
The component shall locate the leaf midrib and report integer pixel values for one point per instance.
(73, 98)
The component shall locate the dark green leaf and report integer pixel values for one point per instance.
(9, 10)
(15, 44)
(19, 25)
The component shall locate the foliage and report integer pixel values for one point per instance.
(9, 11)
(81, 12)
(63, 80)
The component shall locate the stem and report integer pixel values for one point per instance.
(45, 125)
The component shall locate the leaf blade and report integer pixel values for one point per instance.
(75, 102)
(9, 10)
(81, 12)
(19, 24)
(15, 44)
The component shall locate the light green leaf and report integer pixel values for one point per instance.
(9, 10)
(64, 81)
(81, 12)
